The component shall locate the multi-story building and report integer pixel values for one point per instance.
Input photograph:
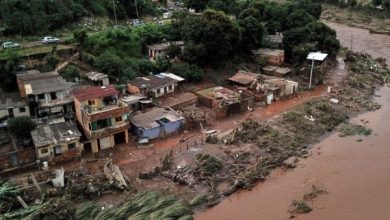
(47, 93)
(103, 117)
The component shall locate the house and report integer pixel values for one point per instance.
(160, 50)
(177, 101)
(157, 122)
(47, 93)
(223, 101)
(98, 79)
(276, 71)
(276, 39)
(272, 56)
(280, 87)
(102, 116)
(137, 102)
(152, 86)
(12, 105)
(57, 141)
(243, 78)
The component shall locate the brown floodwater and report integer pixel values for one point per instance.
(355, 171)
(377, 45)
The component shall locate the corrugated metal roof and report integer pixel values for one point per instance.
(94, 76)
(152, 81)
(149, 119)
(11, 100)
(243, 77)
(95, 92)
(173, 76)
(38, 83)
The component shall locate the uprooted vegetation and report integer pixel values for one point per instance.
(253, 149)
(145, 205)
(303, 206)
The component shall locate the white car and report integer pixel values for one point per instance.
(50, 40)
(6, 45)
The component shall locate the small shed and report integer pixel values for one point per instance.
(273, 56)
(99, 79)
(277, 71)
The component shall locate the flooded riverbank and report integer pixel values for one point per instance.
(354, 170)
(356, 175)
(377, 45)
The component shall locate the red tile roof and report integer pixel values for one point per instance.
(95, 92)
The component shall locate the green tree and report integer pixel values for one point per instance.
(111, 64)
(251, 33)
(173, 51)
(71, 73)
(21, 127)
(163, 64)
(210, 38)
(191, 73)
(298, 19)
(197, 5)
(80, 36)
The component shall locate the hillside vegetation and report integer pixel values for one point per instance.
(35, 16)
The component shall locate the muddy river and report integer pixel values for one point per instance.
(355, 171)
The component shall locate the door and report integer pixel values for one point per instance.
(11, 112)
(57, 150)
(105, 142)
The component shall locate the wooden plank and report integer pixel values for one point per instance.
(36, 182)
(22, 202)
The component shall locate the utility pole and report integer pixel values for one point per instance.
(351, 41)
(136, 8)
(116, 21)
(311, 72)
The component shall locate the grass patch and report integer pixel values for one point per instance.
(351, 129)
(300, 207)
(314, 193)
(31, 51)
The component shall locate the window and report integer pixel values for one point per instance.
(158, 91)
(104, 123)
(53, 96)
(71, 146)
(22, 109)
(170, 87)
(44, 151)
(41, 96)
(91, 102)
(118, 119)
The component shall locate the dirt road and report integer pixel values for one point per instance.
(355, 173)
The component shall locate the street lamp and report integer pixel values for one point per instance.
(315, 56)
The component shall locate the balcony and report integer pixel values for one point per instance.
(106, 111)
(107, 131)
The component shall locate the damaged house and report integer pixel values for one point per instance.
(98, 79)
(223, 101)
(12, 105)
(157, 122)
(153, 86)
(160, 50)
(272, 56)
(57, 141)
(47, 93)
(103, 117)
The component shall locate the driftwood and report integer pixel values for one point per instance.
(114, 174)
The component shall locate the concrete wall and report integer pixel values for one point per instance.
(171, 127)
(17, 112)
(50, 155)
(163, 91)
